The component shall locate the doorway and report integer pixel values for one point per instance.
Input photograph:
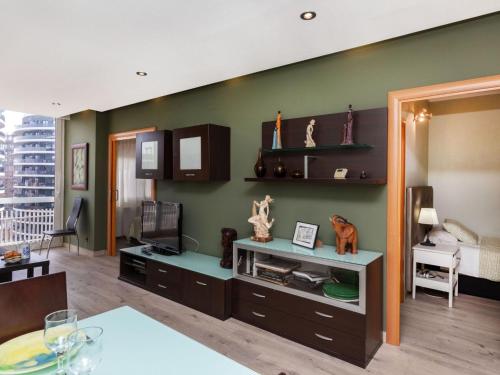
(125, 192)
(396, 182)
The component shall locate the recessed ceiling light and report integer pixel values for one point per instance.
(141, 74)
(57, 104)
(307, 16)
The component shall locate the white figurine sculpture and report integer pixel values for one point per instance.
(309, 131)
(259, 220)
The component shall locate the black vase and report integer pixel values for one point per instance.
(259, 167)
(279, 169)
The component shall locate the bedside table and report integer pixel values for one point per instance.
(442, 256)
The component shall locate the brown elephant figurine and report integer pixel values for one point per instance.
(346, 235)
(228, 236)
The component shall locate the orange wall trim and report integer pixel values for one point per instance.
(396, 181)
(112, 139)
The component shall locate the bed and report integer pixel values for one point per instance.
(475, 277)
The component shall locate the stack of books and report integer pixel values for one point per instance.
(276, 270)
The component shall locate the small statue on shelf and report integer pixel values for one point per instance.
(228, 236)
(347, 138)
(309, 142)
(259, 220)
(277, 133)
(346, 235)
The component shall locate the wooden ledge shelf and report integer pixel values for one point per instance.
(347, 181)
(340, 147)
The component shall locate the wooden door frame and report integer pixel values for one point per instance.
(396, 181)
(112, 139)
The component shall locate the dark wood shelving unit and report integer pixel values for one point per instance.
(368, 153)
(331, 181)
(355, 146)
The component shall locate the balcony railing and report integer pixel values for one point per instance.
(21, 225)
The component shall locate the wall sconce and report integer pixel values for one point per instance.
(423, 115)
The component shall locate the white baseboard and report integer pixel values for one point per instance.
(86, 252)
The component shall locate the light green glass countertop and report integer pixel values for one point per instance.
(190, 260)
(280, 245)
(134, 344)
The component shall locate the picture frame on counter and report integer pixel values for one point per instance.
(305, 235)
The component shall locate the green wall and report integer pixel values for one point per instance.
(362, 76)
(90, 127)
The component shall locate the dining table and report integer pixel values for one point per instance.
(134, 343)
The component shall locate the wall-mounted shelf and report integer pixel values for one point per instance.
(355, 146)
(347, 181)
(368, 154)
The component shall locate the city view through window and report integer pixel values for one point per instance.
(27, 176)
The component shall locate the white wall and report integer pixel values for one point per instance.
(464, 162)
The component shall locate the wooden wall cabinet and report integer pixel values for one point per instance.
(154, 155)
(201, 153)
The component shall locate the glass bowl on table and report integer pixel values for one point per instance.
(85, 350)
(58, 326)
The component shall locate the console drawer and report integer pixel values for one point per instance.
(165, 289)
(328, 315)
(259, 315)
(327, 339)
(253, 293)
(344, 320)
(207, 294)
(164, 272)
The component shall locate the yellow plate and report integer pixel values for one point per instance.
(25, 354)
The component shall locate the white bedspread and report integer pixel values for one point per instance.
(489, 258)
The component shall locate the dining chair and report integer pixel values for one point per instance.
(24, 304)
(70, 229)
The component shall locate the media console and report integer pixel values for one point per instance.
(351, 331)
(193, 279)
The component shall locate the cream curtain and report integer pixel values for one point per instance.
(131, 191)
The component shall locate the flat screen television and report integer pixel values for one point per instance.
(162, 226)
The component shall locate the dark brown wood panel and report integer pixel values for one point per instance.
(166, 289)
(374, 296)
(327, 339)
(207, 294)
(313, 311)
(164, 170)
(25, 303)
(254, 293)
(370, 127)
(164, 272)
(262, 316)
(215, 153)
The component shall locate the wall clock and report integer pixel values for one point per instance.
(79, 166)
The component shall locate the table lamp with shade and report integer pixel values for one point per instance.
(428, 216)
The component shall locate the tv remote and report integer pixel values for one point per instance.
(146, 251)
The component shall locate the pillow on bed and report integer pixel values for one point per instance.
(441, 236)
(461, 232)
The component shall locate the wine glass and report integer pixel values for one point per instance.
(58, 326)
(85, 351)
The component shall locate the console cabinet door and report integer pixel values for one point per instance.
(201, 153)
(154, 155)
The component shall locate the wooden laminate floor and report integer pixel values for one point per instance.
(435, 339)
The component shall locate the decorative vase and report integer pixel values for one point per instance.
(259, 167)
(297, 174)
(363, 175)
(279, 169)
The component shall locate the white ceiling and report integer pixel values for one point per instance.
(84, 53)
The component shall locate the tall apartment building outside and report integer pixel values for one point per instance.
(27, 178)
(2, 155)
